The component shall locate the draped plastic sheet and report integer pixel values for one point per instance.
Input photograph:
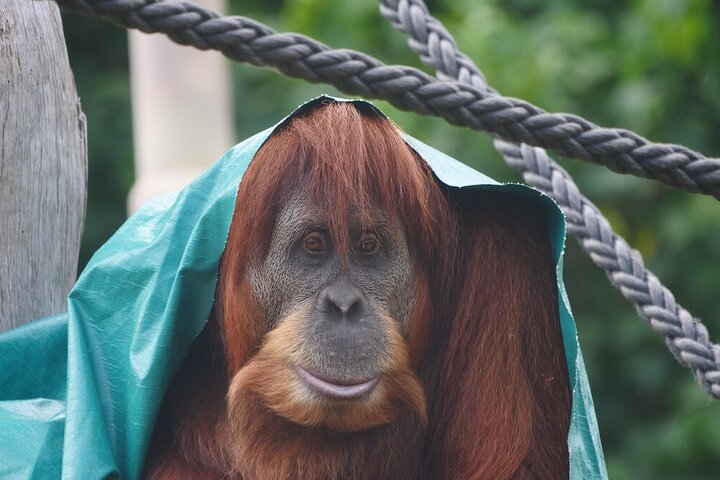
(79, 392)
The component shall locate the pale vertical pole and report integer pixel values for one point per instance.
(182, 111)
(43, 164)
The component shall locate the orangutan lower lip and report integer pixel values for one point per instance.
(336, 390)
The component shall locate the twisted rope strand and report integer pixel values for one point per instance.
(465, 104)
(685, 336)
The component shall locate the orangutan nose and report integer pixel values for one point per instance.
(342, 300)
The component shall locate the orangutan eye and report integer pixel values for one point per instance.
(314, 242)
(368, 244)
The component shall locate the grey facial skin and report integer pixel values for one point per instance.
(345, 334)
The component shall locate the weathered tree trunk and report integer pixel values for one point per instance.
(43, 164)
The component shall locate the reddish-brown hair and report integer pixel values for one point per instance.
(484, 339)
(498, 387)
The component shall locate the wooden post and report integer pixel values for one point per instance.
(182, 111)
(43, 164)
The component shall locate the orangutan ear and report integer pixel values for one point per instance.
(500, 401)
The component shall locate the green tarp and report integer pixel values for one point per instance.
(79, 392)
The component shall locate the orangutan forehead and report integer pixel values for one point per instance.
(300, 214)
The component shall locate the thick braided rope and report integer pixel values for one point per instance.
(686, 337)
(407, 88)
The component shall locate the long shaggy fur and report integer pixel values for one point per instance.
(480, 389)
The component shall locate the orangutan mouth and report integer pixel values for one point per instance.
(337, 389)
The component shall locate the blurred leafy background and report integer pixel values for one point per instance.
(652, 66)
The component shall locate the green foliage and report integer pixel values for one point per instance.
(652, 66)
(99, 60)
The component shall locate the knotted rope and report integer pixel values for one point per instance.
(686, 337)
(407, 88)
